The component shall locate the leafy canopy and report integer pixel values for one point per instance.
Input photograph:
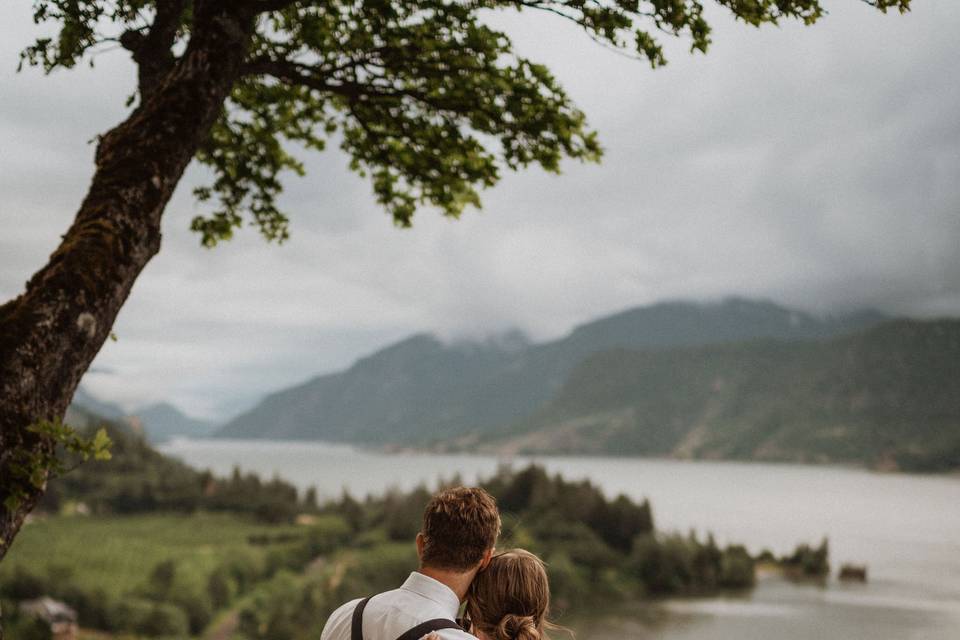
(426, 99)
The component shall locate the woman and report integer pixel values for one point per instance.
(509, 600)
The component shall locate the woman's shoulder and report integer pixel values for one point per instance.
(449, 634)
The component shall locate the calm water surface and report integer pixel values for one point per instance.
(906, 528)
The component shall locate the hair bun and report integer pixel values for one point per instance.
(514, 627)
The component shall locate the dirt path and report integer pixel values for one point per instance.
(226, 627)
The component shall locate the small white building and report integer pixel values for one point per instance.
(60, 616)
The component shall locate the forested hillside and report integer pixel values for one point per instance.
(140, 479)
(888, 397)
(421, 390)
(157, 422)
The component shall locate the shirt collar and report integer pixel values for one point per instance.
(433, 590)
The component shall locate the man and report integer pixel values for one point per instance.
(460, 529)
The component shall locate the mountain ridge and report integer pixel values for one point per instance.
(158, 422)
(419, 389)
(886, 397)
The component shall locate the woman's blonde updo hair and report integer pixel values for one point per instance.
(510, 599)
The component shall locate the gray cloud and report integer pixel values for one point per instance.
(817, 167)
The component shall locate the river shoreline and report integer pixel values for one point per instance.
(897, 524)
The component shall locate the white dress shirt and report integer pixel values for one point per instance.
(390, 614)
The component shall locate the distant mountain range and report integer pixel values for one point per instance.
(158, 422)
(91, 404)
(738, 379)
(735, 379)
(163, 421)
(888, 397)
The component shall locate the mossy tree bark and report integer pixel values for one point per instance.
(51, 332)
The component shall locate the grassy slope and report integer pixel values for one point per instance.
(117, 553)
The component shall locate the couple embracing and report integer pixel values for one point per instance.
(506, 594)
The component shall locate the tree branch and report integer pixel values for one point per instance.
(265, 6)
(152, 51)
(302, 75)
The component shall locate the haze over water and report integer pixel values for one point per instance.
(904, 527)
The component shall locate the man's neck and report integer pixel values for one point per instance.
(458, 582)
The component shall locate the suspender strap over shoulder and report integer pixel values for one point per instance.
(422, 629)
(356, 626)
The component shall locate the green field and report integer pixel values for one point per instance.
(118, 553)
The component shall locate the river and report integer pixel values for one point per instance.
(906, 528)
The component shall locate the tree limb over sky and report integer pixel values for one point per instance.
(429, 101)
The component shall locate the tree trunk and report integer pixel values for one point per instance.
(51, 332)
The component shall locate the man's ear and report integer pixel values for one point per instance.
(420, 543)
(485, 560)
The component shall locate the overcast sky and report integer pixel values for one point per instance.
(818, 167)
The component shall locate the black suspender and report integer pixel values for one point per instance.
(422, 629)
(356, 627)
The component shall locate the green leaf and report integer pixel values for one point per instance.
(12, 502)
(101, 445)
